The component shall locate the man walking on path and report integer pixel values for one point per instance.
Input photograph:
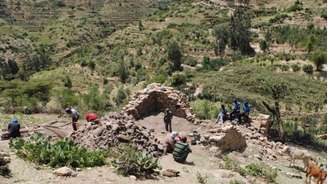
(75, 116)
(168, 115)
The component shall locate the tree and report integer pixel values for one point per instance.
(240, 24)
(278, 90)
(318, 58)
(175, 55)
(123, 72)
(8, 69)
(264, 45)
(221, 33)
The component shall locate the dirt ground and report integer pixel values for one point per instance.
(204, 164)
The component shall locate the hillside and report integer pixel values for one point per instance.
(95, 55)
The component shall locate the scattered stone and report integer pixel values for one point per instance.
(294, 175)
(64, 171)
(132, 177)
(170, 173)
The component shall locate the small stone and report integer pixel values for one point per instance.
(132, 177)
(64, 171)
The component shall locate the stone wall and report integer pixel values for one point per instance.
(155, 98)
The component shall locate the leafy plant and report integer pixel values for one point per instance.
(38, 149)
(308, 69)
(130, 161)
(262, 171)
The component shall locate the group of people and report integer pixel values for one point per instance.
(235, 114)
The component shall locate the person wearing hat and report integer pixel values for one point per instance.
(168, 115)
(181, 150)
(14, 128)
(75, 116)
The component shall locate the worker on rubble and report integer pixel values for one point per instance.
(181, 150)
(92, 118)
(168, 115)
(75, 116)
(170, 141)
(14, 128)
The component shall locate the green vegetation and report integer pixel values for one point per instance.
(235, 182)
(253, 169)
(205, 109)
(261, 170)
(201, 179)
(38, 149)
(129, 161)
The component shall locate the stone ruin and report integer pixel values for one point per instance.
(156, 98)
(121, 128)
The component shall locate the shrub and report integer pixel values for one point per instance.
(308, 69)
(178, 79)
(204, 109)
(129, 161)
(213, 64)
(319, 58)
(38, 149)
(121, 95)
(201, 179)
(297, 6)
(235, 182)
(296, 67)
(284, 68)
(264, 45)
(261, 170)
(189, 61)
(94, 100)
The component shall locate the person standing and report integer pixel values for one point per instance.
(235, 111)
(75, 116)
(222, 117)
(14, 128)
(168, 115)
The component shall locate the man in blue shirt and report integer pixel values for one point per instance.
(14, 128)
(235, 111)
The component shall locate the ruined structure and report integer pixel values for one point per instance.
(155, 98)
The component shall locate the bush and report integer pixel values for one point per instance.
(235, 182)
(121, 96)
(129, 161)
(308, 69)
(201, 179)
(319, 58)
(39, 150)
(297, 6)
(261, 170)
(178, 79)
(94, 100)
(296, 67)
(214, 64)
(204, 109)
(189, 61)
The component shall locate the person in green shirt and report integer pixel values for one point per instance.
(181, 150)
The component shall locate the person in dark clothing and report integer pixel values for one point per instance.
(75, 116)
(222, 117)
(168, 115)
(235, 114)
(181, 150)
(246, 111)
(14, 128)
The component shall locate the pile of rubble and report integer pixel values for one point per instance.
(114, 129)
(4, 161)
(155, 98)
(225, 138)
